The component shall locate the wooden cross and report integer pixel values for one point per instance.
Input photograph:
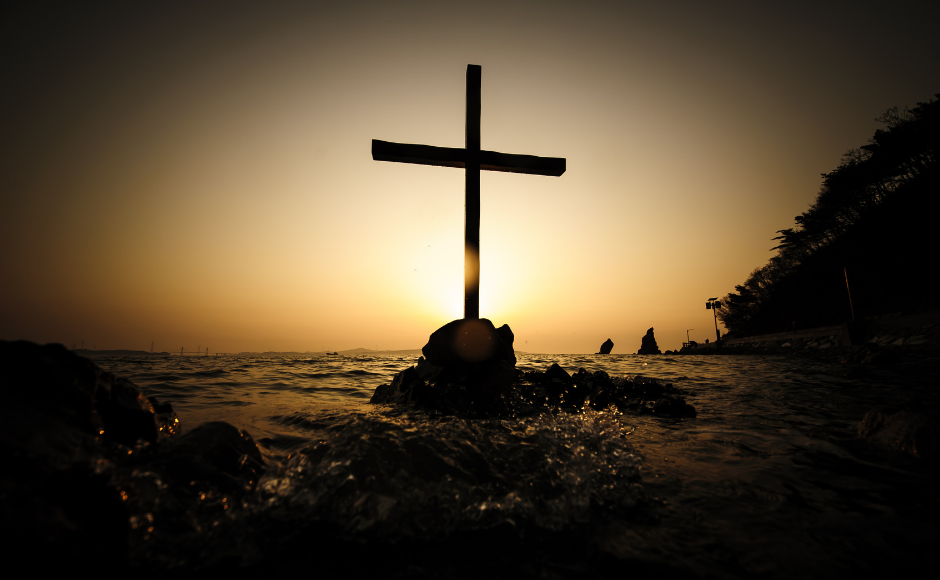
(472, 160)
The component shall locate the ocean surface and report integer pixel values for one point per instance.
(769, 480)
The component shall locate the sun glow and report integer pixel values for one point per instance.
(214, 184)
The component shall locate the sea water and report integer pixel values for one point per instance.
(770, 479)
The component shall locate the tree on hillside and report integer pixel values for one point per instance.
(872, 217)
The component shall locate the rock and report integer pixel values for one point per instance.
(402, 388)
(469, 341)
(214, 453)
(86, 455)
(165, 417)
(57, 401)
(648, 344)
(674, 406)
(558, 375)
(872, 353)
(644, 396)
(127, 415)
(561, 388)
(532, 392)
(606, 347)
(63, 425)
(466, 367)
(906, 428)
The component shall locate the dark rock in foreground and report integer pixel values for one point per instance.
(905, 428)
(606, 347)
(446, 381)
(648, 344)
(90, 463)
(871, 353)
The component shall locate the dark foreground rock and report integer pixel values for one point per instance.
(906, 428)
(606, 347)
(447, 382)
(872, 353)
(648, 344)
(89, 463)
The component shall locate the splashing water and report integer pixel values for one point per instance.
(770, 478)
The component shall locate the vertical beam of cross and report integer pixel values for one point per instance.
(472, 160)
(471, 288)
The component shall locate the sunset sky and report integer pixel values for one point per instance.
(199, 173)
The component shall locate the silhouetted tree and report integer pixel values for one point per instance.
(874, 215)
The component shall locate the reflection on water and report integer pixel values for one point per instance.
(769, 478)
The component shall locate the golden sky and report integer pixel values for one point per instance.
(201, 174)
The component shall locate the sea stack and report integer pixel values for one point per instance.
(606, 347)
(648, 344)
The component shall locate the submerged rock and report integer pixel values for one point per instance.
(606, 347)
(648, 344)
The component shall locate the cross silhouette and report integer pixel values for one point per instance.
(472, 160)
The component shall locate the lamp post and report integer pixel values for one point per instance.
(687, 339)
(713, 304)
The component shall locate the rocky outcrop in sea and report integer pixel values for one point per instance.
(648, 344)
(606, 347)
(448, 380)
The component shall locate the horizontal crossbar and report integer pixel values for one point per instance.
(451, 157)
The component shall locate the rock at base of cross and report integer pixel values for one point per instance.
(648, 344)
(606, 347)
(469, 369)
(466, 366)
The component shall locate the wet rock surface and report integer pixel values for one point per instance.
(872, 353)
(90, 462)
(908, 428)
(494, 387)
(556, 389)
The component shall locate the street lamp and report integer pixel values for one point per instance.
(687, 339)
(713, 304)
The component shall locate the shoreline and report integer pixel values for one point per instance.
(904, 337)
